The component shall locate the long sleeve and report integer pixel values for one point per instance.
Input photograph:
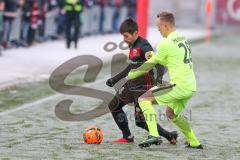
(143, 69)
(122, 74)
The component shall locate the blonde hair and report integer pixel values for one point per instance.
(167, 17)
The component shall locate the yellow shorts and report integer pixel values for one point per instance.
(175, 97)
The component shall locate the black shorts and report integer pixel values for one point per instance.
(133, 89)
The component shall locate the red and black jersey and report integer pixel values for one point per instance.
(138, 50)
(137, 57)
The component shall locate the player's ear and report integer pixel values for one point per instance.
(166, 27)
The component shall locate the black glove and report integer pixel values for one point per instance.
(110, 82)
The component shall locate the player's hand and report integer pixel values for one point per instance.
(148, 55)
(110, 82)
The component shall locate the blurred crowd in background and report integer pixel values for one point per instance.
(26, 22)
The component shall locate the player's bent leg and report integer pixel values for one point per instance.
(150, 116)
(176, 99)
(140, 122)
(185, 127)
(147, 96)
(145, 103)
(170, 136)
(120, 118)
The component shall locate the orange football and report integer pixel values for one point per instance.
(92, 135)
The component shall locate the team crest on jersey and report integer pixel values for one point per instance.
(135, 52)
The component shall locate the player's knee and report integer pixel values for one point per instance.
(147, 96)
(170, 113)
(115, 104)
(140, 99)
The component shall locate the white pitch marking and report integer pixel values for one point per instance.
(43, 100)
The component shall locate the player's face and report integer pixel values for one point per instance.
(130, 38)
(162, 27)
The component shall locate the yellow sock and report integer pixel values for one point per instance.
(185, 127)
(150, 117)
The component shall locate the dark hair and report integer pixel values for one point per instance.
(167, 17)
(129, 25)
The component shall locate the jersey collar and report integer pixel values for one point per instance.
(172, 34)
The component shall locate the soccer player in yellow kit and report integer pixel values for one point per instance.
(174, 53)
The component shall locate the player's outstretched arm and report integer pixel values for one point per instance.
(143, 69)
(112, 81)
